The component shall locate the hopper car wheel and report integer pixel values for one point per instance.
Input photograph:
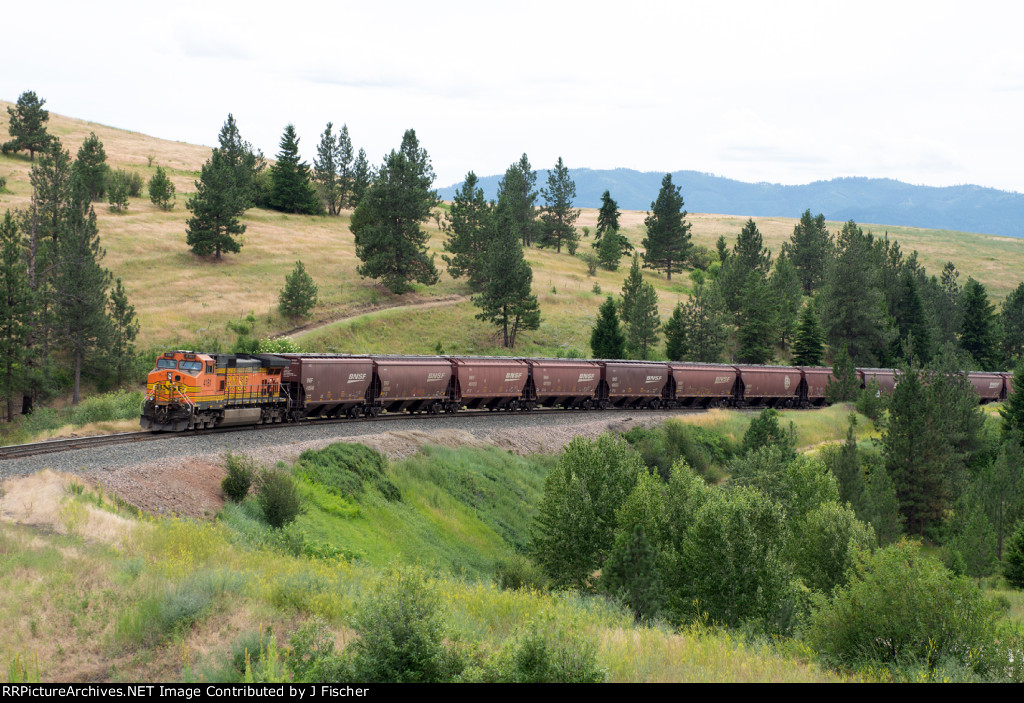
(655, 404)
(513, 406)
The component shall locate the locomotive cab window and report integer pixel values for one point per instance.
(166, 363)
(191, 366)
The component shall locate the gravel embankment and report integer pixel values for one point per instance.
(182, 474)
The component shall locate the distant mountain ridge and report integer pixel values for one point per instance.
(966, 208)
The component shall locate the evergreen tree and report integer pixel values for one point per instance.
(161, 190)
(467, 224)
(845, 466)
(978, 330)
(976, 543)
(999, 489)
(292, 190)
(707, 329)
(362, 178)
(346, 170)
(809, 248)
(15, 312)
(506, 299)
(1012, 411)
(299, 294)
(1013, 562)
(91, 167)
(667, 244)
(27, 125)
(911, 321)
(124, 328)
(607, 217)
(885, 506)
(215, 209)
(748, 263)
(785, 289)
(807, 348)
(845, 383)
(755, 321)
(387, 223)
(607, 340)
(325, 170)
(80, 290)
(516, 191)
(117, 191)
(639, 305)
(242, 161)
(611, 248)
(675, 335)
(631, 574)
(1011, 322)
(951, 312)
(558, 218)
(853, 309)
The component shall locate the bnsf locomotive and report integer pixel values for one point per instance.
(189, 390)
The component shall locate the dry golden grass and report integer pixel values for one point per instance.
(181, 298)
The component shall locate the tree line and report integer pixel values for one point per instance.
(61, 309)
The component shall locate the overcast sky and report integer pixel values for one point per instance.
(786, 92)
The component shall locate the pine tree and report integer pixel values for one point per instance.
(784, 286)
(607, 218)
(667, 245)
(325, 170)
(80, 290)
(242, 161)
(607, 340)
(950, 313)
(516, 190)
(999, 488)
(91, 167)
(845, 383)
(28, 126)
(117, 191)
(292, 189)
(124, 328)
(15, 312)
(755, 322)
(707, 329)
(748, 256)
(610, 250)
(852, 307)
(161, 190)
(1011, 322)
(467, 224)
(911, 321)
(1012, 411)
(215, 209)
(346, 171)
(675, 335)
(299, 294)
(1013, 562)
(978, 330)
(558, 218)
(631, 574)
(810, 248)
(639, 305)
(362, 178)
(807, 347)
(885, 507)
(845, 466)
(387, 223)
(506, 299)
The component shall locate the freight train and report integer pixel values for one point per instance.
(192, 391)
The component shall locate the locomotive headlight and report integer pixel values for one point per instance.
(168, 375)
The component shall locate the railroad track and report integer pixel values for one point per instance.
(53, 446)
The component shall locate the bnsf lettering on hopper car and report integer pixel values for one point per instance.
(586, 377)
(356, 377)
(509, 377)
(431, 377)
(653, 379)
(721, 379)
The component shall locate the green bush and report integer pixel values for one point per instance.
(343, 469)
(241, 470)
(519, 572)
(278, 497)
(764, 430)
(870, 402)
(902, 607)
(402, 633)
(312, 657)
(704, 450)
(107, 407)
(544, 651)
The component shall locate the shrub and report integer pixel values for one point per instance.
(118, 187)
(135, 183)
(241, 470)
(764, 430)
(871, 403)
(401, 633)
(161, 190)
(278, 497)
(545, 652)
(343, 469)
(904, 607)
(311, 654)
(519, 572)
(826, 544)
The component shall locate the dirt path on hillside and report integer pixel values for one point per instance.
(361, 310)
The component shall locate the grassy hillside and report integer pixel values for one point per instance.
(100, 592)
(181, 299)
